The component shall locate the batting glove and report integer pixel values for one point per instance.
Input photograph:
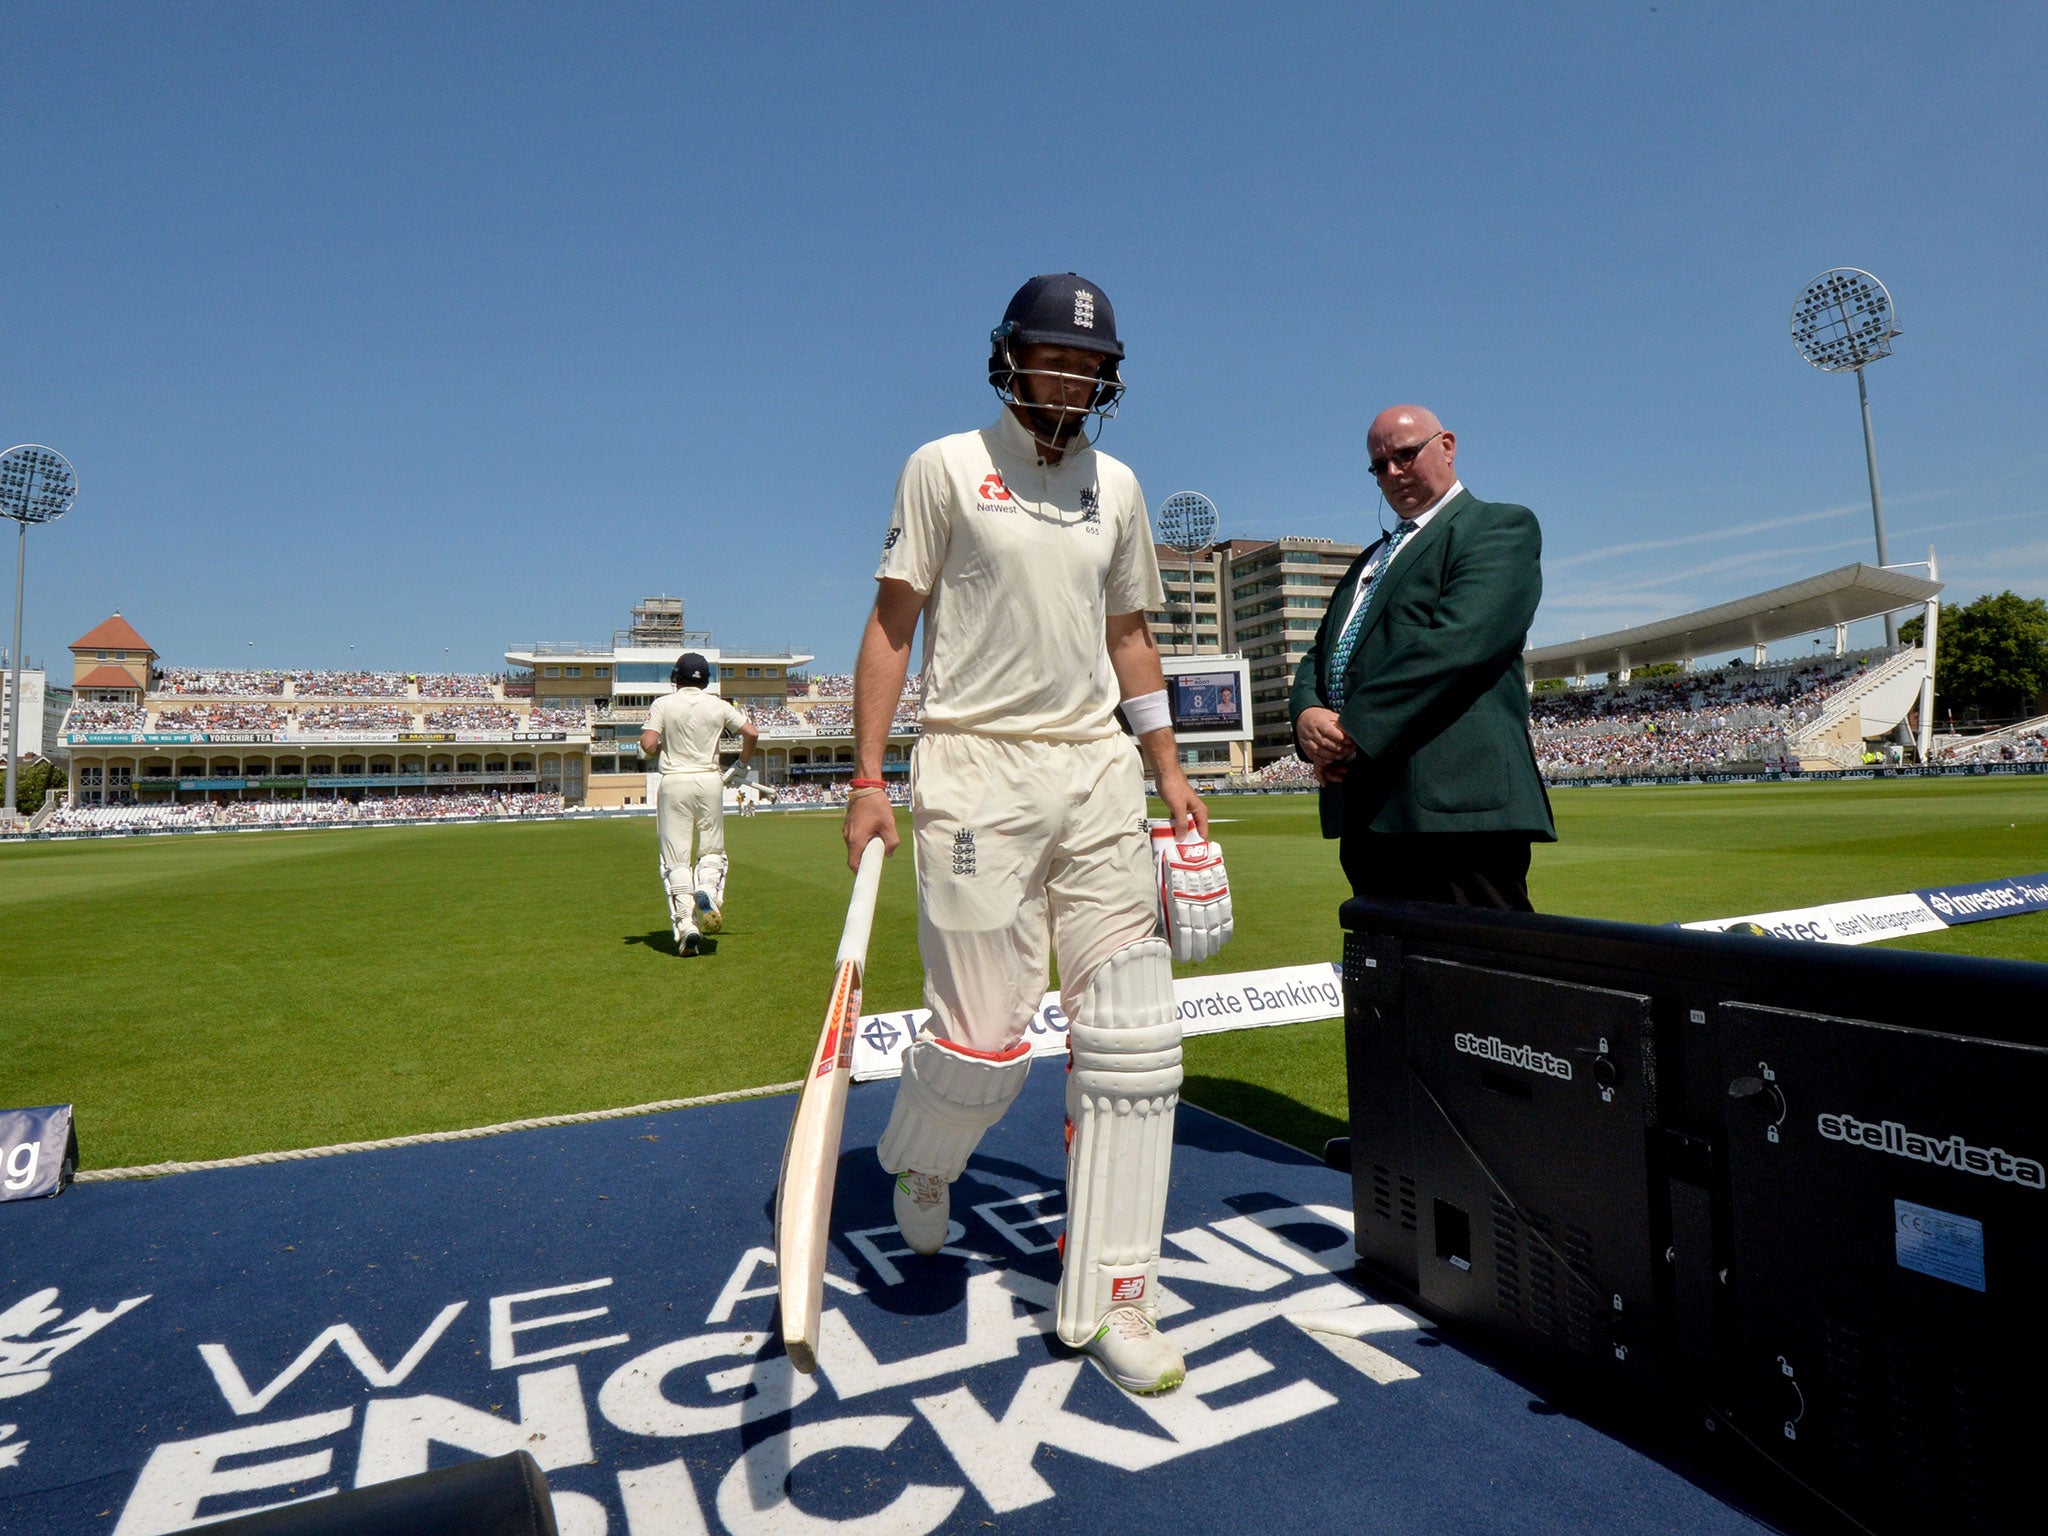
(1194, 896)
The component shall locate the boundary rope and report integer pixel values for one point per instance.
(542, 1122)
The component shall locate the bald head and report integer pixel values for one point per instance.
(1416, 484)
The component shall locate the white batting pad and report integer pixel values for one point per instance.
(945, 1102)
(710, 878)
(682, 898)
(1121, 1095)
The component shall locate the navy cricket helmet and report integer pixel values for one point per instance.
(1059, 309)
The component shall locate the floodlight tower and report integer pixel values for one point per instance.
(1844, 321)
(37, 485)
(1187, 522)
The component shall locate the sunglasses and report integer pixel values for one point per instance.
(1400, 458)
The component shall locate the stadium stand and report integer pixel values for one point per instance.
(2026, 742)
(476, 717)
(1687, 723)
(548, 718)
(839, 685)
(1284, 773)
(219, 683)
(458, 685)
(827, 796)
(296, 813)
(355, 717)
(221, 717)
(349, 685)
(104, 717)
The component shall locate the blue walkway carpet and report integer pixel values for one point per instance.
(192, 1347)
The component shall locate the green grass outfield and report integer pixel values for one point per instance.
(203, 997)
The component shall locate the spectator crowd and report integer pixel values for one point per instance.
(220, 717)
(474, 717)
(220, 682)
(104, 717)
(457, 685)
(349, 685)
(839, 685)
(1684, 723)
(2030, 746)
(195, 815)
(361, 718)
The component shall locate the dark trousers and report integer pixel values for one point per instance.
(1463, 869)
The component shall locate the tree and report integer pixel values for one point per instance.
(1991, 656)
(34, 782)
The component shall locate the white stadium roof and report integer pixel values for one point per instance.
(1784, 613)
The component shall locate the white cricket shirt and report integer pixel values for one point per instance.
(1021, 564)
(690, 721)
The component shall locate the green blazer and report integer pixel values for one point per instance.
(1436, 698)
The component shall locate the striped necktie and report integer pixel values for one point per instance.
(1347, 642)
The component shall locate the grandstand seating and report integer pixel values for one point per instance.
(356, 717)
(104, 717)
(831, 796)
(2023, 743)
(220, 717)
(366, 716)
(349, 685)
(220, 683)
(194, 815)
(475, 717)
(839, 685)
(458, 685)
(833, 719)
(1284, 773)
(1686, 723)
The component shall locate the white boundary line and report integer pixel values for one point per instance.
(297, 1154)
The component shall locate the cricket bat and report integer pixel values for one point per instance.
(810, 1158)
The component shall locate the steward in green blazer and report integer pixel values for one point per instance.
(1413, 703)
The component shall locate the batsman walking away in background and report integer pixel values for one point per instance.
(1030, 557)
(689, 811)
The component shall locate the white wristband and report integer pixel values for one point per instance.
(1148, 713)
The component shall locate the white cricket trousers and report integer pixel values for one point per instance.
(690, 806)
(1023, 847)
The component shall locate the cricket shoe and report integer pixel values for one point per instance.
(711, 919)
(1134, 1354)
(924, 1208)
(687, 941)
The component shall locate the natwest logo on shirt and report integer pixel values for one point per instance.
(992, 487)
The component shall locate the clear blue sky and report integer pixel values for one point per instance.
(421, 327)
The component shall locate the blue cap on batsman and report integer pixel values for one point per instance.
(1060, 309)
